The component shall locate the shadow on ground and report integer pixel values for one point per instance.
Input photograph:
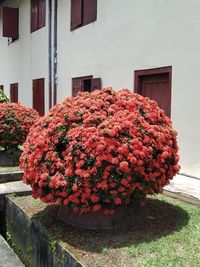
(162, 218)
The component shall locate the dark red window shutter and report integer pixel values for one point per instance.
(38, 96)
(96, 84)
(89, 11)
(11, 22)
(76, 86)
(42, 13)
(34, 15)
(14, 92)
(1, 87)
(76, 13)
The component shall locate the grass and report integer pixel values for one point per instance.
(169, 236)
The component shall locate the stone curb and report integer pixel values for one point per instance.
(182, 196)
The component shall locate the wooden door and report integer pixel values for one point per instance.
(1, 87)
(155, 84)
(38, 96)
(14, 92)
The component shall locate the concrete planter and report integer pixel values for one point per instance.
(124, 215)
(32, 243)
(9, 158)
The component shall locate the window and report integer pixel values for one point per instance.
(38, 14)
(83, 12)
(155, 84)
(85, 84)
(11, 23)
(38, 95)
(1, 87)
(14, 92)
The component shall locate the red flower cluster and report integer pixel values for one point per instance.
(100, 149)
(15, 122)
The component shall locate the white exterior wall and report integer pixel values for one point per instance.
(127, 36)
(140, 34)
(26, 58)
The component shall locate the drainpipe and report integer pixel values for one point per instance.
(50, 53)
(55, 54)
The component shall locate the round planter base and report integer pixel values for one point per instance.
(9, 159)
(123, 216)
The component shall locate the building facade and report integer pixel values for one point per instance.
(64, 46)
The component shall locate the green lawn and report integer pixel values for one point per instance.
(177, 249)
(168, 236)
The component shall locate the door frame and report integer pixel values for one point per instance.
(138, 74)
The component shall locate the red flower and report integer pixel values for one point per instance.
(117, 201)
(96, 208)
(94, 198)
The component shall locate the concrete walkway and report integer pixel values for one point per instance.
(10, 188)
(8, 258)
(14, 187)
(184, 188)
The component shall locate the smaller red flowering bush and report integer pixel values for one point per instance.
(100, 149)
(15, 123)
(3, 97)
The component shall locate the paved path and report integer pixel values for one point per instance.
(8, 258)
(185, 188)
(14, 187)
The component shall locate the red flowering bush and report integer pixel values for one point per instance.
(15, 122)
(3, 97)
(100, 149)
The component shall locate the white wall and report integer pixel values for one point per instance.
(140, 34)
(25, 59)
(128, 35)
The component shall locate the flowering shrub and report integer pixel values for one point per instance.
(3, 97)
(15, 122)
(100, 149)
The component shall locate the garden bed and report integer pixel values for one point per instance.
(168, 236)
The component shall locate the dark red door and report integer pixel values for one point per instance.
(38, 96)
(155, 84)
(14, 92)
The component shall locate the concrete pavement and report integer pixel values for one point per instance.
(185, 188)
(8, 258)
